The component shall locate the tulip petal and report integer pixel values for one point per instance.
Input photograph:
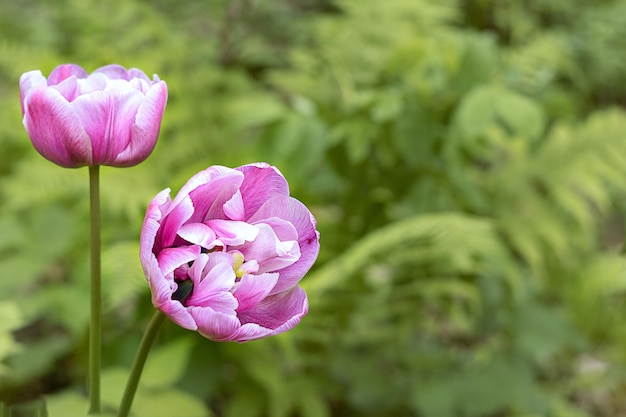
(113, 72)
(151, 225)
(270, 253)
(232, 232)
(145, 127)
(218, 276)
(68, 88)
(261, 182)
(248, 332)
(197, 234)
(162, 290)
(209, 199)
(171, 258)
(254, 288)
(233, 208)
(292, 210)
(278, 312)
(173, 219)
(28, 81)
(108, 118)
(214, 324)
(205, 177)
(63, 72)
(179, 314)
(55, 129)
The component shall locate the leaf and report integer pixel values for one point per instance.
(11, 320)
(166, 364)
(486, 108)
(168, 403)
(459, 238)
(122, 275)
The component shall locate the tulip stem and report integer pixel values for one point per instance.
(96, 293)
(140, 359)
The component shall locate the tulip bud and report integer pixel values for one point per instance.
(109, 117)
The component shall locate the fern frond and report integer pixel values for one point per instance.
(456, 242)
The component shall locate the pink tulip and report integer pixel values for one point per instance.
(109, 117)
(226, 255)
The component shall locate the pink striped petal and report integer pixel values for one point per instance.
(178, 213)
(63, 72)
(171, 258)
(55, 129)
(108, 119)
(146, 127)
(233, 233)
(179, 314)
(216, 275)
(269, 252)
(278, 312)
(113, 72)
(28, 81)
(261, 182)
(207, 176)
(301, 218)
(151, 225)
(254, 288)
(214, 325)
(233, 208)
(197, 234)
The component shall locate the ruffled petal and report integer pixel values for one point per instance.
(301, 218)
(233, 208)
(151, 225)
(278, 312)
(209, 199)
(171, 258)
(179, 314)
(197, 234)
(261, 182)
(270, 253)
(213, 324)
(178, 213)
(205, 177)
(233, 233)
(252, 289)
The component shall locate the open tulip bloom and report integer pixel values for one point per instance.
(226, 255)
(109, 117)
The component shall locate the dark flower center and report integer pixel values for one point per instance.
(184, 290)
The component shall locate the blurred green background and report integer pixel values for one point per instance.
(466, 162)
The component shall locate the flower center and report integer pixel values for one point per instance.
(184, 290)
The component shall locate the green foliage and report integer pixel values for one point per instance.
(465, 163)
(12, 320)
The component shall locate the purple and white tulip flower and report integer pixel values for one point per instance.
(109, 117)
(225, 256)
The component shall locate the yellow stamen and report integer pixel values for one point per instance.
(237, 263)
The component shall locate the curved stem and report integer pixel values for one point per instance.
(142, 354)
(96, 292)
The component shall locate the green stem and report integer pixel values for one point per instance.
(96, 293)
(140, 360)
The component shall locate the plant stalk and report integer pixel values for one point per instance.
(140, 360)
(95, 326)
